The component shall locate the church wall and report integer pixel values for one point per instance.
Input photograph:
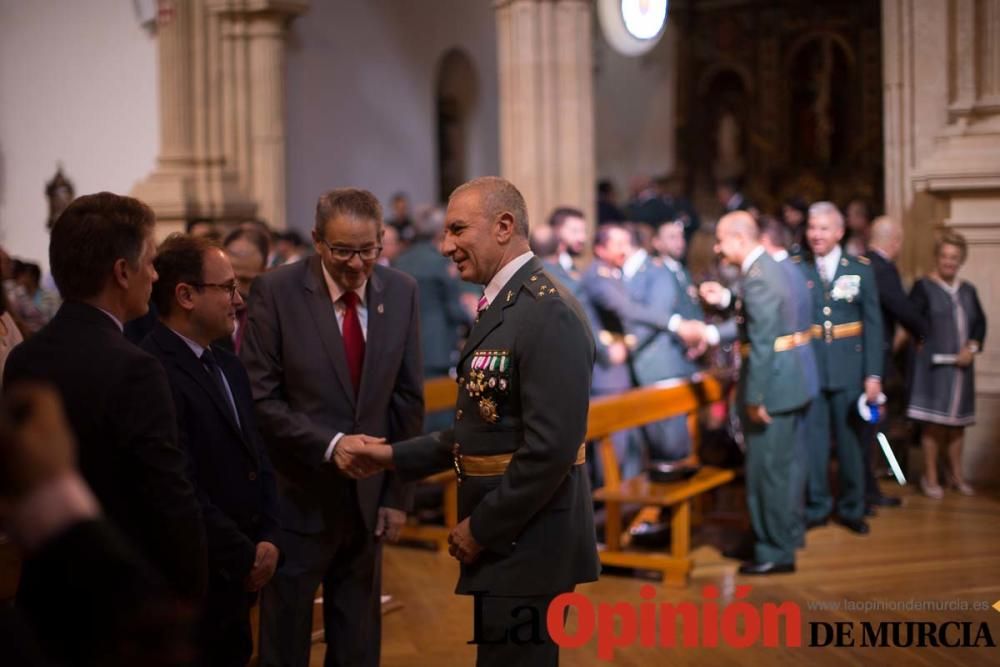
(361, 97)
(77, 86)
(635, 111)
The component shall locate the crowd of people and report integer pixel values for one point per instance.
(248, 411)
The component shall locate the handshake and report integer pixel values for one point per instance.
(694, 333)
(359, 456)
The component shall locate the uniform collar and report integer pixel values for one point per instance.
(751, 258)
(504, 275)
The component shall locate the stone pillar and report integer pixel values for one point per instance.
(222, 134)
(190, 179)
(546, 103)
(942, 129)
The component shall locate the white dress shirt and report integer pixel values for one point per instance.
(827, 265)
(504, 275)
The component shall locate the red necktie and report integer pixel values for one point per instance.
(354, 339)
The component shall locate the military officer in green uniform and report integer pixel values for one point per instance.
(526, 531)
(773, 389)
(847, 340)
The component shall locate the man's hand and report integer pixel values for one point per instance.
(964, 358)
(758, 414)
(348, 457)
(36, 443)
(617, 353)
(873, 387)
(712, 293)
(388, 524)
(462, 545)
(692, 332)
(264, 564)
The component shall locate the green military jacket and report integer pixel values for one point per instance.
(766, 312)
(524, 390)
(847, 323)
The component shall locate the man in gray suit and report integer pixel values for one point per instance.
(659, 354)
(527, 528)
(333, 347)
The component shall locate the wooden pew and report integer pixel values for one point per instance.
(611, 414)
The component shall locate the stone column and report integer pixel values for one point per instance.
(191, 178)
(546, 103)
(942, 129)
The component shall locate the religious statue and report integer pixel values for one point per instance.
(729, 162)
(59, 191)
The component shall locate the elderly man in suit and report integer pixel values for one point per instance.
(847, 330)
(116, 396)
(527, 529)
(197, 297)
(773, 391)
(333, 348)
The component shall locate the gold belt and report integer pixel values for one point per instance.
(784, 343)
(493, 464)
(834, 331)
(608, 338)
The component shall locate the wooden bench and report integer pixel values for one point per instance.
(611, 414)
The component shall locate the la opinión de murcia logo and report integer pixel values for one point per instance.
(738, 624)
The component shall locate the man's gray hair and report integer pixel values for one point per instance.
(827, 208)
(499, 196)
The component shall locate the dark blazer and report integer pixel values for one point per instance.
(441, 311)
(658, 354)
(801, 295)
(294, 354)
(896, 306)
(90, 599)
(233, 476)
(119, 404)
(536, 520)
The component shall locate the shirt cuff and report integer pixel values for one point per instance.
(674, 323)
(712, 336)
(332, 446)
(51, 509)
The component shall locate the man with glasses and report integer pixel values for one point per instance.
(333, 349)
(197, 297)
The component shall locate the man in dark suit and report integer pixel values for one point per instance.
(772, 393)
(117, 396)
(197, 297)
(847, 331)
(333, 348)
(526, 531)
(94, 601)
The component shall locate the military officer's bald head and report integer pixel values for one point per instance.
(740, 223)
(498, 196)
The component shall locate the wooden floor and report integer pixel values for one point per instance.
(926, 550)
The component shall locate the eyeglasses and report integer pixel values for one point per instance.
(346, 254)
(228, 287)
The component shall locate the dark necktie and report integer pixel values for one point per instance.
(354, 339)
(215, 372)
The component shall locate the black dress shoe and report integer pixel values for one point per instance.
(870, 510)
(741, 552)
(816, 523)
(752, 568)
(886, 501)
(859, 526)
